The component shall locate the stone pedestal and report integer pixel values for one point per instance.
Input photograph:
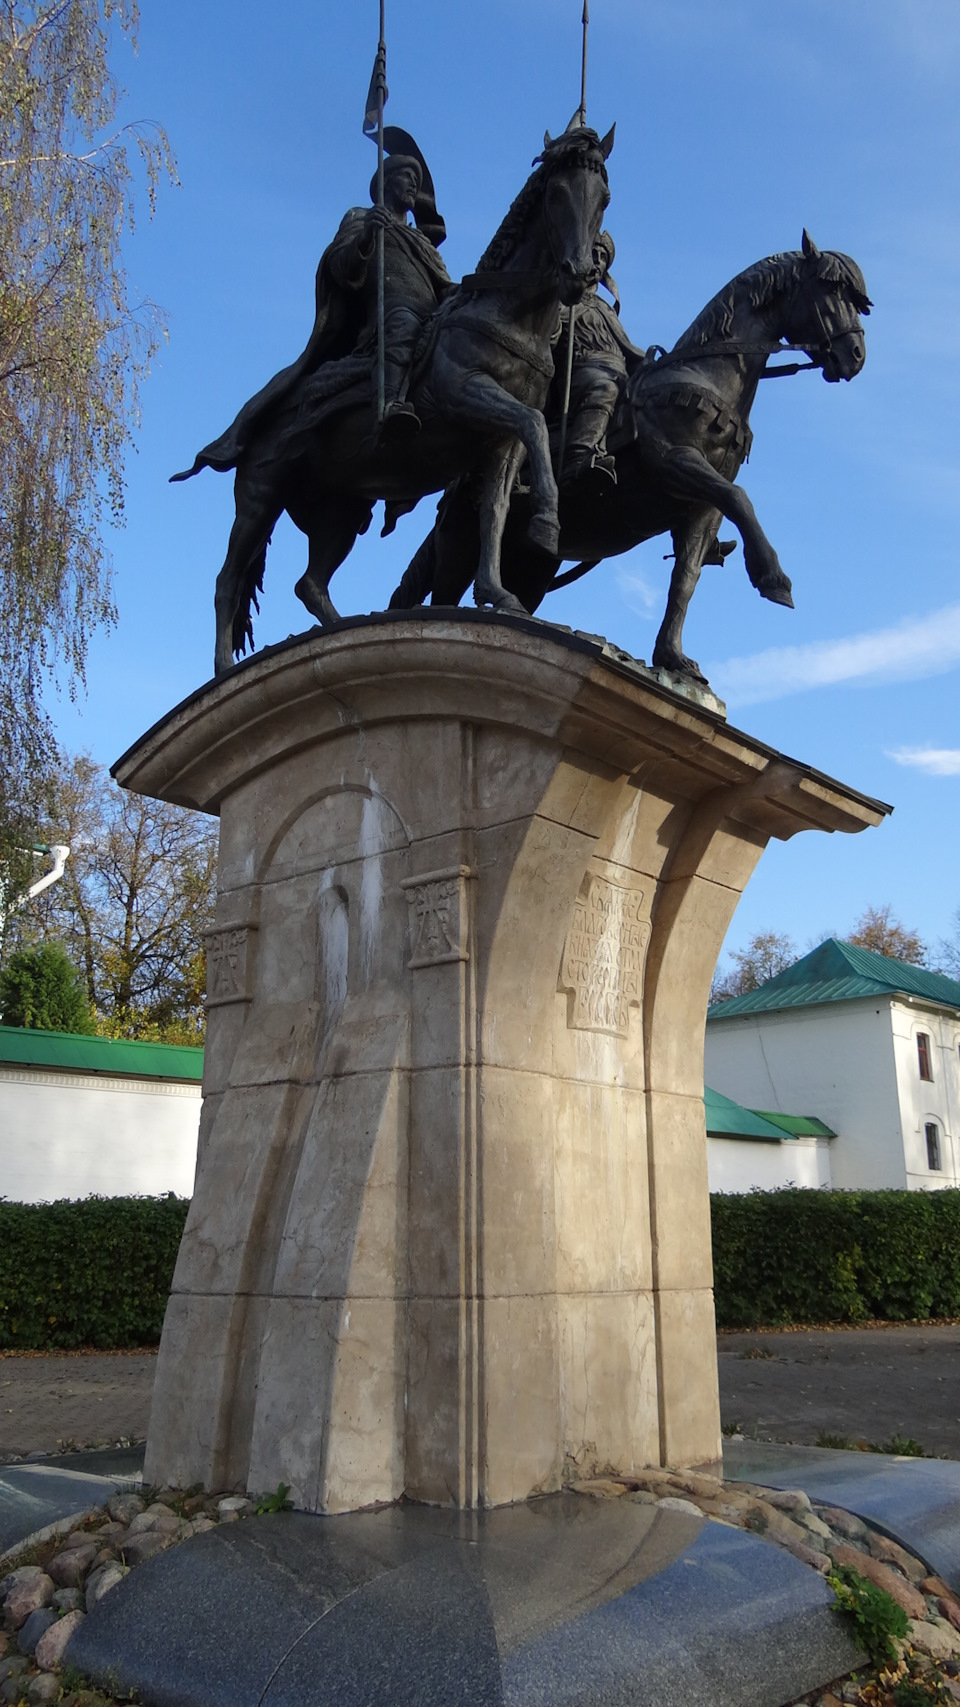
(450, 1235)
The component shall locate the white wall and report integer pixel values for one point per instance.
(71, 1134)
(745, 1164)
(923, 1100)
(835, 1061)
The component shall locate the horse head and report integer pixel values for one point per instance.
(824, 311)
(575, 194)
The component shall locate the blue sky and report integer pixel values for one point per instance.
(739, 122)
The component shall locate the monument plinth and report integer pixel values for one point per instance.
(450, 1235)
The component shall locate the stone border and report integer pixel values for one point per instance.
(45, 1600)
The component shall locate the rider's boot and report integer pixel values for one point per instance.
(400, 419)
(586, 448)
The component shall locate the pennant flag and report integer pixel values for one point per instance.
(378, 85)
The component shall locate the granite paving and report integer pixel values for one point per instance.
(34, 1496)
(562, 1600)
(914, 1500)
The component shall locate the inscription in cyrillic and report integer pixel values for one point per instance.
(603, 956)
(227, 965)
(438, 916)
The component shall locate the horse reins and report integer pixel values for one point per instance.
(669, 358)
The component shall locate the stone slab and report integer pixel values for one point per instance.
(559, 1600)
(35, 1496)
(123, 1463)
(914, 1500)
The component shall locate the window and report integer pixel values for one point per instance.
(923, 1053)
(933, 1146)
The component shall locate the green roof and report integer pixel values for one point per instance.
(726, 1119)
(67, 1051)
(798, 1125)
(839, 972)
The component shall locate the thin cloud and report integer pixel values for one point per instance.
(637, 592)
(916, 647)
(936, 761)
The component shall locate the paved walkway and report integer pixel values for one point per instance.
(862, 1383)
(47, 1403)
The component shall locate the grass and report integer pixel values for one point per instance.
(898, 1446)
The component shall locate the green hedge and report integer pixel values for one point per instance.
(98, 1272)
(95, 1272)
(835, 1256)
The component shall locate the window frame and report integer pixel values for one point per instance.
(931, 1132)
(924, 1057)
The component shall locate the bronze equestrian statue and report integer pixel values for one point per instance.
(309, 442)
(602, 360)
(678, 440)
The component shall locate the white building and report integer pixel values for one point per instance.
(749, 1149)
(869, 1045)
(82, 1115)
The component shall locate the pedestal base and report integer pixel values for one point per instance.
(564, 1602)
(450, 1236)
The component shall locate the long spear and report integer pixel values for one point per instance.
(585, 22)
(373, 125)
(568, 380)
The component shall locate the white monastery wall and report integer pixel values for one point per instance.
(834, 1061)
(68, 1134)
(744, 1164)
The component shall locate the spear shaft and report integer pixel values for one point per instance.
(585, 22)
(568, 377)
(381, 263)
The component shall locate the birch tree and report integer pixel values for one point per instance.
(75, 345)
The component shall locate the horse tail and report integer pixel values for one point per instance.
(418, 578)
(250, 587)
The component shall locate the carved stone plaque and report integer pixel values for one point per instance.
(228, 964)
(603, 956)
(439, 921)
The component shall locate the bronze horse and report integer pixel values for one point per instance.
(679, 439)
(479, 388)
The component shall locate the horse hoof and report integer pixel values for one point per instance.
(678, 664)
(543, 530)
(509, 605)
(485, 594)
(778, 590)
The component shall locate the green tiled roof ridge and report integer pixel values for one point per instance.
(728, 1118)
(797, 1125)
(118, 1057)
(840, 971)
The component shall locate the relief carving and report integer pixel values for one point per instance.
(603, 956)
(228, 964)
(439, 916)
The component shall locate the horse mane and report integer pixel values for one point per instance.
(584, 145)
(765, 281)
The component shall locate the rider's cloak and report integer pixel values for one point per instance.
(341, 318)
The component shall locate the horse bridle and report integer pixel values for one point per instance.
(735, 347)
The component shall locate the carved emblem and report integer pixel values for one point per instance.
(439, 923)
(228, 964)
(603, 956)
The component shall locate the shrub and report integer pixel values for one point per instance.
(40, 989)
(95, 1272)
(874, 1615)
(835, 1256)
